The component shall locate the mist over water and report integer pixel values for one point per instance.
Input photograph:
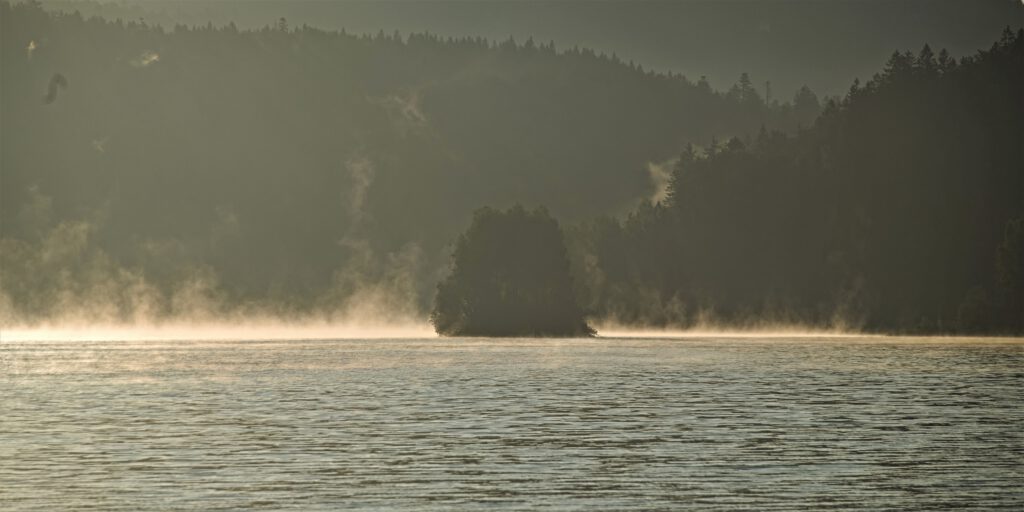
(255, 329)
(262, 329)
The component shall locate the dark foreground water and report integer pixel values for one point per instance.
(610, 424)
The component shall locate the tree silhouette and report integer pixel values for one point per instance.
(509, 277)
(884, 213)
(1010, 273)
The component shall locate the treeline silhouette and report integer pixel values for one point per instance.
(288, 165)
(182, 169)
(901, 210)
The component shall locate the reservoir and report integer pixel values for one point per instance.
(634, 423)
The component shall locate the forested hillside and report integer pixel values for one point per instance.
(901, 210)
(151, 172)
(293, 167)
(824, 44)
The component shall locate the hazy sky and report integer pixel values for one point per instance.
(821, 43)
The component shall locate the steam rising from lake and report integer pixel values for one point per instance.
(60, 284)
(710, 329)
(256, 329)
(660, 174)
(145, 59)
(275, 329)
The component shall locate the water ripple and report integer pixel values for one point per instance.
(627, 424)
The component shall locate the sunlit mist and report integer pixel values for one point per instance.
(251, 330)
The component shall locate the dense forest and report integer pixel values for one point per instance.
(901, 210)
(292, 168)
(790, 43)
(152, 172)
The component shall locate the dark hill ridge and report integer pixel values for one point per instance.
(149, 172)
(274, 159)
(901, 210)
(825, 44)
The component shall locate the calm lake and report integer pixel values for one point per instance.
(441, 424)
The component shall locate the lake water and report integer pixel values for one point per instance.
(442, 424)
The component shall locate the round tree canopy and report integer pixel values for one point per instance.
(509, 277)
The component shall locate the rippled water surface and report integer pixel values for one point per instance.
(513, 424)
